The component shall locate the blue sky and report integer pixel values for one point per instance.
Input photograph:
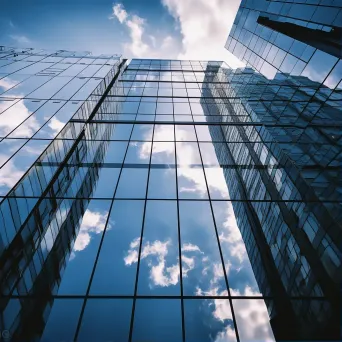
(147, 29)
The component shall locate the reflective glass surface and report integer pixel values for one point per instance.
(150, 212)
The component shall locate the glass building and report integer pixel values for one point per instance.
(163, 200)
(295, 37)
(294, 88)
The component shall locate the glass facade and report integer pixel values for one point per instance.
(165, 201)
(292, 86)
(292, 37)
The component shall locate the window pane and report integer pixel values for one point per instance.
(76, 277)
(159, 266)
(162, 183)
(132, 183)
(63, 320)
(118, 256)
(201, 263)
(252, 320)
(205, 319)
(157, 320)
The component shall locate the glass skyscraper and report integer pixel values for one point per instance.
(166, 200)
(293, 37)
(294, 90)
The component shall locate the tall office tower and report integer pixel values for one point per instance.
(290, 37)
(296, 96)
(290, 231)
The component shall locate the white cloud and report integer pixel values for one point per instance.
(189, 247)
(160, 275)
(142, 45)
(9, 173)
(6, 83)
(93, 222)
(188, 264)
(200, 31)
(15, 116)
(20, 39)
(131, 257)
(56, 125)
(186, 155)
(204, 26)
(32, 150)
(252, 317)
(231, 236)
(119, 12)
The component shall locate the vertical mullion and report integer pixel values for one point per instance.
(179, 233)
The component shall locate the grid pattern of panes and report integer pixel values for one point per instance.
(149, 205)
(39, 92)
(288, 224)
(162, 252)
(269, 50)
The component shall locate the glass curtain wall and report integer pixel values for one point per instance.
(164, 211)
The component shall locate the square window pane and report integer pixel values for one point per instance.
(147, 108)
(106, 320)
(207, 318)
(132, 183)
(138, 152)
(163, 153)
(163, 133)
(164, 108)
(157, 320)
(185, 133)
(63, 320)
(182, 108)
(142, 132)
(162, 183)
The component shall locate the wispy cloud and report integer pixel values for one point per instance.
(141, 44)
(56, 125)
(20, 39)
(93, 222)
(203, 27)
(160, 274)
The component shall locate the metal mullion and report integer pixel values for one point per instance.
(184, 199)
(71, 296)
(28, 76)
(9, 133)
(32, 137)
(218, 244)
(98, 252)
(179, 232)
(40, 61)
(140, 244)
(73, 77)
